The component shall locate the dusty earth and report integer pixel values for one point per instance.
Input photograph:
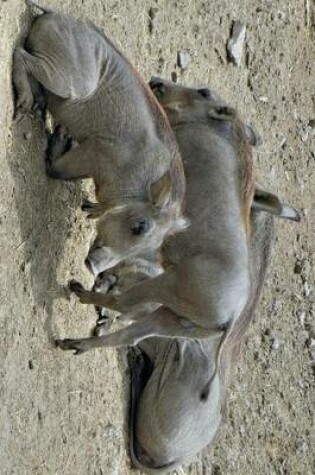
(62, 414)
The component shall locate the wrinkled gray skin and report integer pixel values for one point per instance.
(124, 140)
(206, 281)
(174, 413)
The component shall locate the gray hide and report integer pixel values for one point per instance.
(124, 141)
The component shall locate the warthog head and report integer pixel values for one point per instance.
(128, 230)
(180, 102)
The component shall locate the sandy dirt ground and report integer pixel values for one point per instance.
(61, 414)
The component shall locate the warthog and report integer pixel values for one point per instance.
(125, 141)
(172, 416)
(206, 282)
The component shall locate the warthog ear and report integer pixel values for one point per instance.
(160, 191)
(270, 203)
(252, 136)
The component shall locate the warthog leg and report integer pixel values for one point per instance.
(145, 291)
(163, 323)
(59, 143)
(75, 163)
(22, 85)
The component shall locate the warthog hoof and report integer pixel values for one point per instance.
(76, 287)
(70, 344)
(59, 143)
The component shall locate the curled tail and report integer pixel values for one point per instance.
(139, 378)
(227, 332)
(33, 3)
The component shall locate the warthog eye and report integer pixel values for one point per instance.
(205, 92)
(139, 227)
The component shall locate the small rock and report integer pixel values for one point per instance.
(300, 315)
(263, 99)
(242, 430)
(306, 289)
(235, 44)
(304, 135)
(103, 313)
(310, 343)
(275, 343)
(27, 135)
(183, 59)
(301, 446)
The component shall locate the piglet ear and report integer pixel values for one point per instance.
(270, 203)
(160, 191)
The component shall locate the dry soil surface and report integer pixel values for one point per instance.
(62, 414)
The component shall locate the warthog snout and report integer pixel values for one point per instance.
(99, 259)
(156, 83)
(172, 92)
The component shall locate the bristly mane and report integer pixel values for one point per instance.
(246, 174)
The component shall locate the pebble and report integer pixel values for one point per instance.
(306, 289)
(300, 315)
(27, 135)
(242, 430)
(304, 135)
(183, 59)
(235, 44)
(301, 446)
(310, 343)
(275, 343)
